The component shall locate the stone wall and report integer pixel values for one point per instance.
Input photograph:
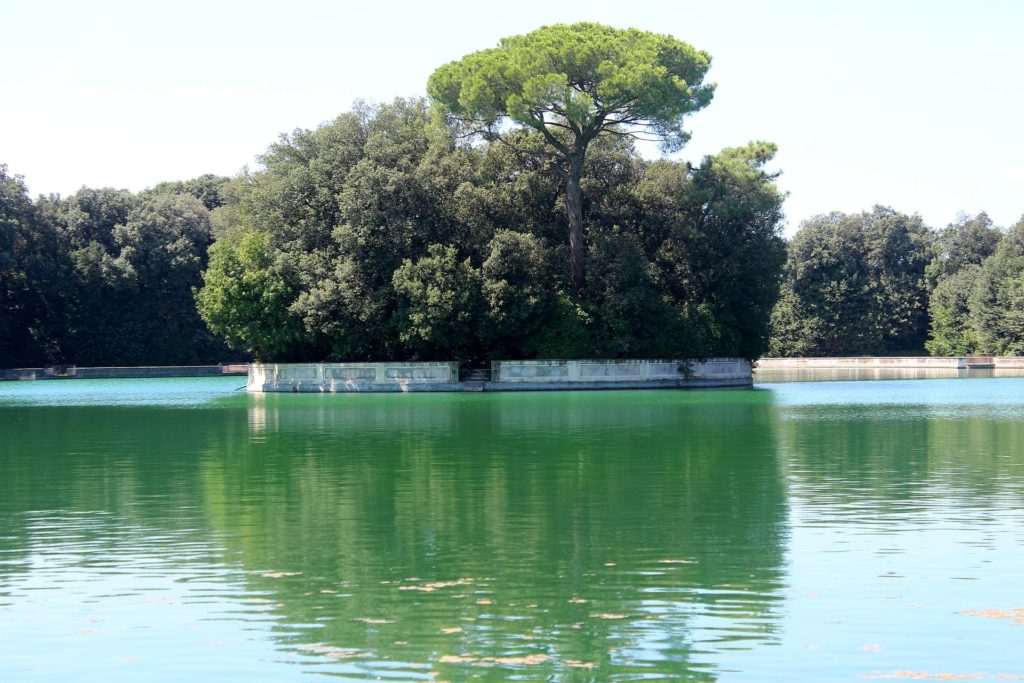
(155, 371)
(526, 375)
(21, 373)
(533, 375)
(354, 377)
(141, 371)
(864, 362)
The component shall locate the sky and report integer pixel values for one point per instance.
(914, 105)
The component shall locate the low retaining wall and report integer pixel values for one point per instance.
(538, 375)
(76, 372)
(353, 377)
(921, 362)
(21, 373)
(532, 375)
(158, 371)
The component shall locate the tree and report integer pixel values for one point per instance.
(968, 241)
(714, 231)
(100, 300)
(161, 252)
(952, 329)
(206, 188)
(439, 302)
(389, 206)
(517, 290)
(132, 262)
(997, 303)
(572, 84)
(952, 275)
(33, 279)
(245, 298)
(854, 284)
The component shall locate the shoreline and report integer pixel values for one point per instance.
(534, 375)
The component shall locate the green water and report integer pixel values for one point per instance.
(179, 530)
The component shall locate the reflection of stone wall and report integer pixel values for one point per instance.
(353, 377)
(524, 375)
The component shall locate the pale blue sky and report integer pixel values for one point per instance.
(912, 104)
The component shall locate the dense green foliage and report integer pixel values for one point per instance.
(103, 277)
(997, 301)
(953, 273)
(573, 84)
(379, 235)
(31, 284)
(854, 284)
(880, 283)
(245, 298)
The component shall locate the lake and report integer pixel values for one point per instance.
(180, 529)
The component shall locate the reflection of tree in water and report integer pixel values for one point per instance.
(895, 459)
(619, 531)
(93, 493)
(634, 533)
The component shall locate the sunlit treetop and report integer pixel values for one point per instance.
(582, 79)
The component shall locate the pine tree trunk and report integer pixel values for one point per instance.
(574, 206)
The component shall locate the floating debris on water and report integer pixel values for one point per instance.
(577, 664)
(278, 575)
(347, 654)
(435, 585)
(372, 620)
(922, 675)
(484, 661)
(333, 651)
(1016, 614)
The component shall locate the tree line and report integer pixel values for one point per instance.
(380, 236)
(105, 276)
(366, 238)
(882, 282)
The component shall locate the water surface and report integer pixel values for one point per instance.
(173, 528)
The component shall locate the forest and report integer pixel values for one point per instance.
(366, 238)
(508, 215)
(683, 261)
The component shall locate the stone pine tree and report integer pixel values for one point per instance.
(573, 83)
